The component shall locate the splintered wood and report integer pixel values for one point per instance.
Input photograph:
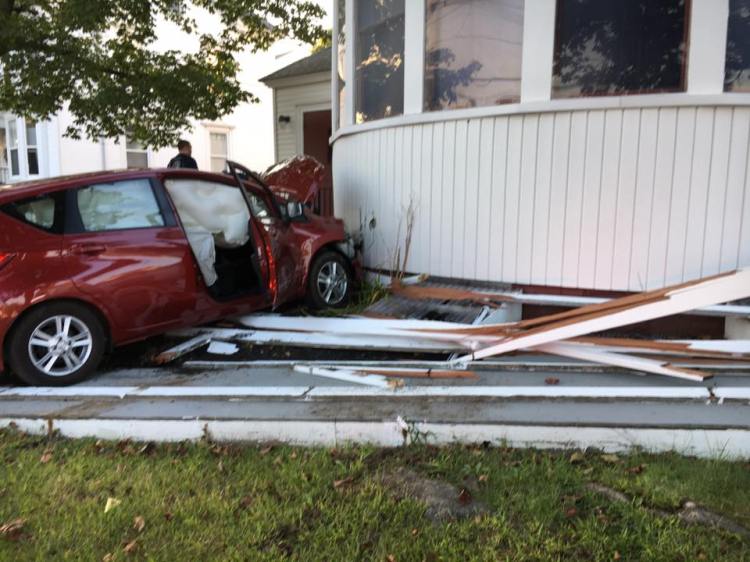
(565, 334)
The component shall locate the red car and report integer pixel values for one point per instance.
(95, 261)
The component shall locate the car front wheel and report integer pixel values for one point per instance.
(56, 344)
(329, 284)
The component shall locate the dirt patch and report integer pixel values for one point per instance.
(444, 502)
(690, 513)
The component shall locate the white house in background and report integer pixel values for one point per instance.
(37, 150)
(592, 144)
(302, 113)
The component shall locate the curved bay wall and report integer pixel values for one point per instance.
(616, 198)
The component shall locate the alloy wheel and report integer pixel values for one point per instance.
(60, 345)
(332, 282)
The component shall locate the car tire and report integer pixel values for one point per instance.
(56, 344)
(329, 284)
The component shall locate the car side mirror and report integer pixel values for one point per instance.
(294, 210)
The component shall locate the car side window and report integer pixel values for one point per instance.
(119, 205)
(37, 211)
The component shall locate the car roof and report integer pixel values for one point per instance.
(31, 188)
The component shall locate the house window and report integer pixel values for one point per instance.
(340, 59)
(473, 53)
(737, 67)
(219, 151)
(615, 47)
(4, 166)
(380, 59)
(136, 154)
(32, 153)
(14, 147)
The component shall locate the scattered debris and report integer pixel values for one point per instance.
(12, 530)
(111, 504)
(139, 523)
(222, 348)
(444, 502)
(181, 349)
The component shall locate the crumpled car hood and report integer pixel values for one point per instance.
(298, 177)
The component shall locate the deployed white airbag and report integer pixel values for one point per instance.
(213, 215)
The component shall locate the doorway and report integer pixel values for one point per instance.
(316, 130)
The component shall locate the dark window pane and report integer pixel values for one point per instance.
(737, 69)
(611, 47)
(14, 168)
(33, 161)
(380, 59)
(473, 53)
(38, 211)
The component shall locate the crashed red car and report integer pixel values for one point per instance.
(94, 261)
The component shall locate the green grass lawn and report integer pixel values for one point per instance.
(214, 502)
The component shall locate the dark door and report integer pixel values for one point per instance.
(127, 253)
(316, 132)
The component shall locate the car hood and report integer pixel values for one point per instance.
(298, 178)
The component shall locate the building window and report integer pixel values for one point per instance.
(380, 59)
(4, 167)
(20, 150)
(615, 47)
(341, 59)
(219, 151)
(737, 68)
(473, 53)
(136, 154)
(32, 154)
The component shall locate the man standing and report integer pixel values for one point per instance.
(183, 158)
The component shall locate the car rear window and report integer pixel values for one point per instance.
(119, 206)
(40, 212)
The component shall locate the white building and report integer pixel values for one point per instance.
(593, 144)
(37, 150)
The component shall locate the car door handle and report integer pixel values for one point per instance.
(87, 249)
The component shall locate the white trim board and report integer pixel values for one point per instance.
(707, 443)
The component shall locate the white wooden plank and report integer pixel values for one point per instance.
(512, 198)
(436, 196)
(605, 232)
(680, 200)
(662, 195)
(497, 200)
(574, 199)
(482, 232)
(643, 200)
(421, 164)
(344, 375)
(736, 179)
(558, 196)
(592, 180)
(471, 201)
(704, 133)
(458, 195)
(631, 126)
(526, 211)
(544, 182)
(717, 188)
(445, 255)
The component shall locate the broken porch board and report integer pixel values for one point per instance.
(588, 352)
(346, 375)
(183, 348)
(619, 312)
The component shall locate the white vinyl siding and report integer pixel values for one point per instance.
(288, 99)
(612, 198)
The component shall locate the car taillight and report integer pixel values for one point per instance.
(5, 258)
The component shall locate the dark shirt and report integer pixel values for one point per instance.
(183, 161)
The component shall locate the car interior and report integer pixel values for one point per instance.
(216, 220)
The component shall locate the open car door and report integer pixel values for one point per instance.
(282, 253)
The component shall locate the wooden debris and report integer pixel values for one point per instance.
(182, 349)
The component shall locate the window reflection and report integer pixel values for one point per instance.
(473, 53)
(119, 205)
(380, 59)
(606, 47)
(340, 59)
(737, 69)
